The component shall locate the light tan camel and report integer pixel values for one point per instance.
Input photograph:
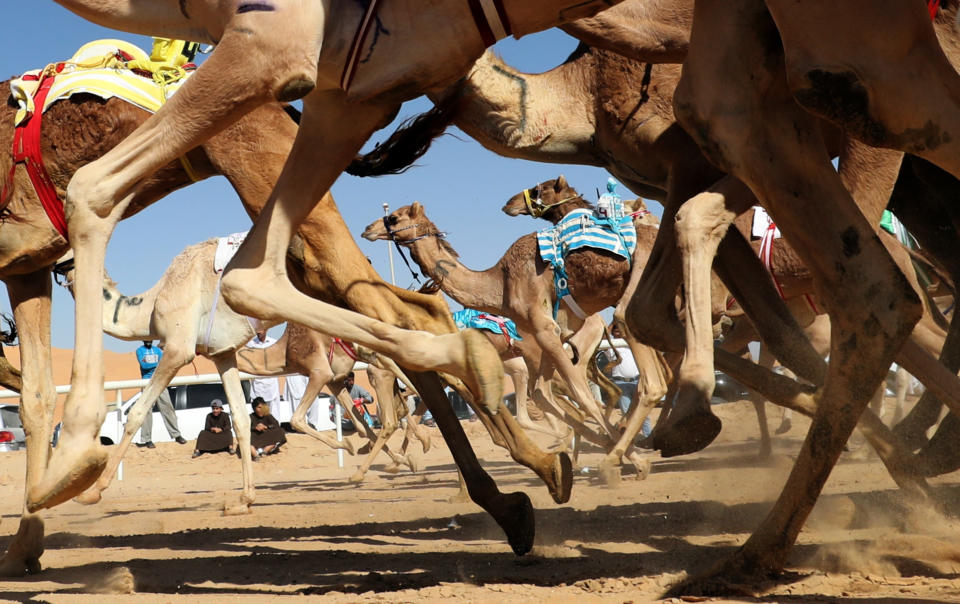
(520, 286)
(284, 50)
(185, 311)
(759, 132)
(29, 245)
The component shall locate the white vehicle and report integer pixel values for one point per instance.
(191, 403)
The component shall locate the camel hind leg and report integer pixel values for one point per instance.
(318, 379)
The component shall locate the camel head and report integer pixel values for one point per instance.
(550, 200)
(403, 226)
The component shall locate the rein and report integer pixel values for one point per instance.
(391, 235)
(537, 208)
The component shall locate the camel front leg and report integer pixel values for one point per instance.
(176, 355)
(230, 376)
(319, 377)
(30, 299)
(383, 382)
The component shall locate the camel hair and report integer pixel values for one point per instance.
(286, 50)
(251, 154)
(633, 134)
(813, 364)
(521, 287)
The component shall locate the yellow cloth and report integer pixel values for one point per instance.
(95, 69)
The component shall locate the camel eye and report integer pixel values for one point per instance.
(534, 192)
(392, 220)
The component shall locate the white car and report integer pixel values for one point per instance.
(191, 403)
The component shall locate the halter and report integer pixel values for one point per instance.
(536, 207)
(391, 235)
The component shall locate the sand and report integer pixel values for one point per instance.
(159, 533)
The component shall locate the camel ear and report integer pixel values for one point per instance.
(561, 183)
(416, 209)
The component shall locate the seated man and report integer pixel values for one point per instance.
(266, 435)
(217, 435)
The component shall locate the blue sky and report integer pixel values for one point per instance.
(461, 184)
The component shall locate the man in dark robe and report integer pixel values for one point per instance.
(266, 435)
(217, 435)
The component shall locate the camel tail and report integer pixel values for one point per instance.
(411, 140)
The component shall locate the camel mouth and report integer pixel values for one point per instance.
(511, 210)
(373, 234)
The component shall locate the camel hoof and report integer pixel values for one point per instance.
(349, 447)
(517, 521)
(23, 553)
(462, 496)
(12, 566)
(610, 474)
(688, 434)
(424, 440)
(393, 468)
(562, 478)
(237, 509)
(415, 462)
(357, 477)
(90, 496)
(67, 476)
(365, 449)
(640, 464)
(783, 428)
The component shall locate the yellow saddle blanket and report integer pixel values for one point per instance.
(98, 68)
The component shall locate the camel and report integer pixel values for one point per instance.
(521, 287)
(326, 362)
(29, 245)
(285, 50)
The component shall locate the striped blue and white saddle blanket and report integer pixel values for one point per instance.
(581, 228)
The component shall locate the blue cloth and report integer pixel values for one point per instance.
(471, 318)
(581, 228)
(148, 358)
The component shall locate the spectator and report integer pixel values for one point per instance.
(360, 397)
(266, 435)
(625, 375)
(148, 356)
(267, 388)
(217, 435)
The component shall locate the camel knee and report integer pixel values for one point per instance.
(701, 220)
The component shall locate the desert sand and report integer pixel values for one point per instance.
(159, 533)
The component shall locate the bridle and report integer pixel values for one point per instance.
(536, 207)
(389, 222)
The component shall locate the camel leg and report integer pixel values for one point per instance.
(903, 384)
(227, 367)
(413, 426)
(383, 382)
(512, 511)
(516, 368)
(30, 299)
(176, 354)
(318, 379)
(744, 130)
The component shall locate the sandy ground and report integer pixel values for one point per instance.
(160, 533)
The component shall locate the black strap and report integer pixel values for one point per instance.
(386, 225)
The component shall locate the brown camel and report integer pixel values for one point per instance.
(284, 50)
(521, 287)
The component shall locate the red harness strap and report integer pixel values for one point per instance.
(345, 346)
(501, 322)
(26, 150)
(932, 6)
(766, 256)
